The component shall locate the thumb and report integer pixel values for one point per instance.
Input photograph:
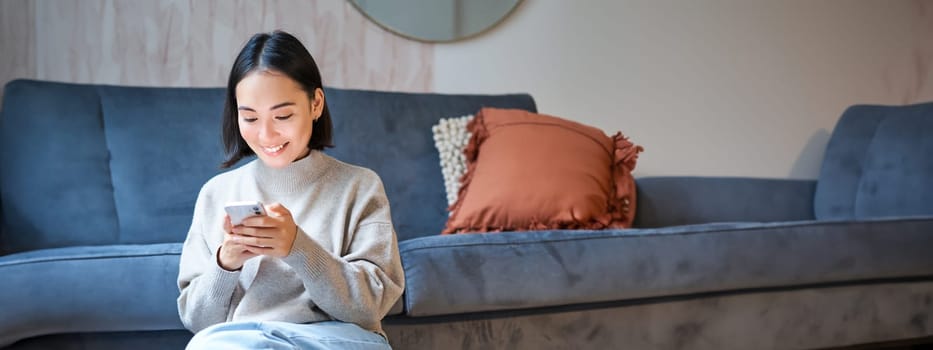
(228, 226)
(277, 209)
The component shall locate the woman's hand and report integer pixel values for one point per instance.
(272, 234)
(232, 254)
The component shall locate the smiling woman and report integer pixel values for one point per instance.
(437, 20)
(320, 268)
(275, 94)
(276, 117)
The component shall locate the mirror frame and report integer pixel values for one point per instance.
(488, 28)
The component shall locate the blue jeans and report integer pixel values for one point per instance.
(284, 335)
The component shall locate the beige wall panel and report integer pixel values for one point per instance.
(194, 42)
(17, 40)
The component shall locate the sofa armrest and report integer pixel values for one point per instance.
(671, 201)
(116, 288)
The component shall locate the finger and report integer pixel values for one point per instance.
(233, 243)
(259, 232)
(228, 226)
(257, 242)
(238, 248)
(277, 209)
(243, 249)
(228, 237)
(254, 250)
(261, 221)
(242, 243)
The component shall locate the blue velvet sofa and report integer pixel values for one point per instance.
(98, 184)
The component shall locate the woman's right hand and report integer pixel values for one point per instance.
(232, 255)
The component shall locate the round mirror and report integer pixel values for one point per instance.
(436, 20)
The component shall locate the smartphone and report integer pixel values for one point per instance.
(242, 210)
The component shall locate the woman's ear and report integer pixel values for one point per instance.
(317, 103)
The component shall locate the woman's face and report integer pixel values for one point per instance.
(276, 116)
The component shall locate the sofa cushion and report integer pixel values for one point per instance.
(877, 164)
(528, 171)
(164, 145)
(390, 133)
(484, 272)
(55, 177)
(89, 289)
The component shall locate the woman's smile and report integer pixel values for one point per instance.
(274, 150)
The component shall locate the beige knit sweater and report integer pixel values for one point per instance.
(344, 264)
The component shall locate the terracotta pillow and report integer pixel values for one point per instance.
(528, 171)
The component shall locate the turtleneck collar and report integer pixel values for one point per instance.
(294, 177)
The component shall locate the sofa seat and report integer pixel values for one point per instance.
(471, 273)
(89, 289)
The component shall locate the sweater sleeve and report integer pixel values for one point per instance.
(206, 288)
(361, 285)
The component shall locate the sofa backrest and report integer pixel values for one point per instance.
(878, 164)
(92, 165)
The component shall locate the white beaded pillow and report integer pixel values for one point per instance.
(450, 138)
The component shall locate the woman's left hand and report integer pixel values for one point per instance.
(272, 234)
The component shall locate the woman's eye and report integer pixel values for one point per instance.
(284, 117)
(249, 119)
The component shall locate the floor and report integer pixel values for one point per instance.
(912, 344)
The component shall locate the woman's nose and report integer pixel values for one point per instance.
(267, 130)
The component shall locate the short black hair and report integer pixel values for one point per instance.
(283, 53)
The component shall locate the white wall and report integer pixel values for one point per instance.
(715, 87)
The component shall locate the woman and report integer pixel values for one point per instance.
(321, 268)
